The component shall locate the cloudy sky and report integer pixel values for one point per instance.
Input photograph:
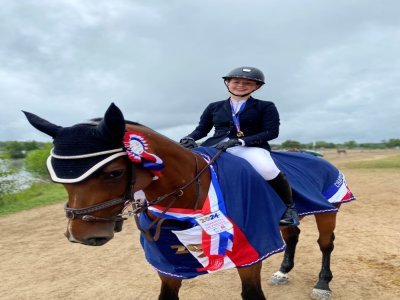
(332, 67)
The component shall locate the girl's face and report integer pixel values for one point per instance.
(240, 86)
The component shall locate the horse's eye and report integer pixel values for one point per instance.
(114, 174)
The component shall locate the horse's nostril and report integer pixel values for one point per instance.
(97, 241)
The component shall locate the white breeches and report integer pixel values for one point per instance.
(259, 158)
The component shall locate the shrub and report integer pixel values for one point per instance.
(35, 162)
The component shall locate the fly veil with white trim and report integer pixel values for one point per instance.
(82, 149)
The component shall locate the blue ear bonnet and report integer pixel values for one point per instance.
(82, 149)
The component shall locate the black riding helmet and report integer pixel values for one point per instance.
(249, 73)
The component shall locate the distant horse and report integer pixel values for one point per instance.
(180, 186)
(341, 151)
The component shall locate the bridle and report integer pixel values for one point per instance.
(84, 214)
(137, 206)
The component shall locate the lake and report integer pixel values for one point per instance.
(22, 179)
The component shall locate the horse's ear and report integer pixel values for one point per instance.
(113, 123)
(42, 125)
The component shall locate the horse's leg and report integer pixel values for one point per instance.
(326, 225)
(291, 237)
(251, 282)
(169, 288)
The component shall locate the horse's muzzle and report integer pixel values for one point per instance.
(89, 240)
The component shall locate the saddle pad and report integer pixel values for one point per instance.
(251, 206)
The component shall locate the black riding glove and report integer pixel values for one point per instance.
(228, 144)
(188, 143)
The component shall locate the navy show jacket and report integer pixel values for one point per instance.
(259, 121)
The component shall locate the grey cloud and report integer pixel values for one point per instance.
(331, 67)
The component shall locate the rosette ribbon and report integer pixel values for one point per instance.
(138, 149)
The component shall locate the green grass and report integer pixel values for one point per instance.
(389, 163)
(39, 194)
(4, 155)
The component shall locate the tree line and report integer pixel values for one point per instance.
(17, 149)
(289, 144)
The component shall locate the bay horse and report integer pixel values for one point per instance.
(101, 175)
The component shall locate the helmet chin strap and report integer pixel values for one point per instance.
(241, 95)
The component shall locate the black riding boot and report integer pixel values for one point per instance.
(284, 191)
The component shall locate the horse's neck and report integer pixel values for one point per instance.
(181, 171)
(181, 168)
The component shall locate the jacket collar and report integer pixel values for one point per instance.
(250, 102)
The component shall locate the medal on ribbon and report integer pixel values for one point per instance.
(235, 117)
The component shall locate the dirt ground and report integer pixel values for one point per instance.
(37, 262)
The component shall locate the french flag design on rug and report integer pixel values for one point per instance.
(215, 233)
(247, 233)
(339, 191)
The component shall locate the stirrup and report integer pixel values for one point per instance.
(287, 223)
(290, 218)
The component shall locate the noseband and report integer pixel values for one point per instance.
(83, 213)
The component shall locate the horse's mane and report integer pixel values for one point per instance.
(97, 120)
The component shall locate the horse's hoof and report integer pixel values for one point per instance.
(279, 278)
(321, 294)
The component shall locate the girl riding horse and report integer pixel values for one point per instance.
(243, 127)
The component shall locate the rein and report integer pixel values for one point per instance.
(141, 207)
(128, 200)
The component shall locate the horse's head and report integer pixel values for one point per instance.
(90, 161)
(104, 162)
